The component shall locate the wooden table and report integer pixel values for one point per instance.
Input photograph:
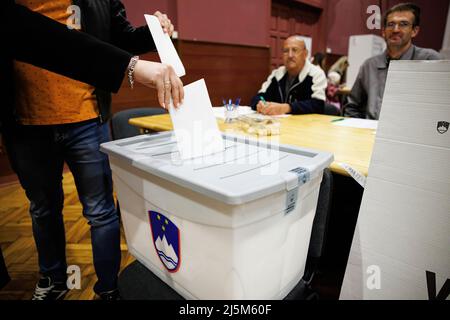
(349, 145)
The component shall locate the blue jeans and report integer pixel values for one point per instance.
(37, 155)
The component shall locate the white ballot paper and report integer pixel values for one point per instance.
(358, 123)
(164, 45)
(194, 124)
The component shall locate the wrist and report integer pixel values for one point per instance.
(287, 109)
(131, 71)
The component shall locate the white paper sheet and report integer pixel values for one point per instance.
(260, 116)
(219, 112)
(358, 123)
(355, 174)
(194, 124)
(164, 45)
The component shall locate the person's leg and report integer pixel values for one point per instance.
(4, 275)
(93, 179)
(35, 158)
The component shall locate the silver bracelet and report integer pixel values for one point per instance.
(130, 70)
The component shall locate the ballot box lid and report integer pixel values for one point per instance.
(248, 169)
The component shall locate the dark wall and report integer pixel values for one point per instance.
(349, 17)
(231, 21)
(346, 18)
(137, 8)
(248, 22)
(434, 18)
(221, 65)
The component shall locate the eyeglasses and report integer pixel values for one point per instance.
(293, 50)
(401, 25)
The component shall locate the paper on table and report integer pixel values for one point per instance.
(164, 45)
(358, 123)
(282, 116)
(194, 124)
(219, 112)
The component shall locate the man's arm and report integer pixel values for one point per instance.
(38, 40)
(267, 91)
(255, 100)
(308, 106)
(434, 55)
(125, 36)
(317, 102)
(357, 100)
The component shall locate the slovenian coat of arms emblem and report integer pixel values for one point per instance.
(166, 238)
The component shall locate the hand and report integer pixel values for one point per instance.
(272, 108)
(166, 24)
(162, 77)
(261, 106)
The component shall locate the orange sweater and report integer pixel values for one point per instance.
(44, 97)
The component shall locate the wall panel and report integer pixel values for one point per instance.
(230, 71)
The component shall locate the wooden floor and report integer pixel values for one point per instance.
(19, 249)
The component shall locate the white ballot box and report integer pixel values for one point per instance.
(231, 225)
(361, 48)
(401, 245)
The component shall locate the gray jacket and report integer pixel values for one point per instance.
(366, 96)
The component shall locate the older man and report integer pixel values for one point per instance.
(401, 25)
(297, 87)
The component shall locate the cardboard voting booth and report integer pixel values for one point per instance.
(231, 225)
(401, 245)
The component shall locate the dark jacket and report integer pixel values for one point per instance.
(306, 95)
(38, 40)
(107, 20)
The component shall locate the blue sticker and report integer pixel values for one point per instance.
(166, 238)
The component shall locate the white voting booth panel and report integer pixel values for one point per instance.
(232, 225)
(361, 48)
(401, 246)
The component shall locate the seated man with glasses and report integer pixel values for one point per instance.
(401, 25)
(298, 87)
